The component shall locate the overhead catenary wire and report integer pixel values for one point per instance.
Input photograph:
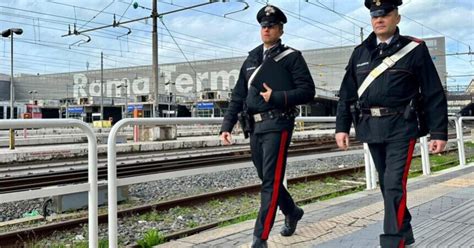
(180, 39)
(177, 45)
(315, 23)
(250, 24)
(142, 30)
(112, 36)
(439, 32)
(115, 50)
(95, 16)
(97, 23)
(344, 16)
(194, 41)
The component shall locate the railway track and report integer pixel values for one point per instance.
(138, 168)
(11, 238)
(153, 163)
(8, 169)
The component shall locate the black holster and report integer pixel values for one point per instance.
(414, 110)
(246, 123)
(355, 113)
(410, 112)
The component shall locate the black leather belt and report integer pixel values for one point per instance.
(272, 114)
(382, 111)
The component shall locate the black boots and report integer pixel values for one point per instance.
(259, 243)
(290, 222)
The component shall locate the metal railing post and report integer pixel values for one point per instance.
(92, 167)
(368, 167)
(112, 165)
(460, 139)
(373, 172)
(425, 156)
(113, 182)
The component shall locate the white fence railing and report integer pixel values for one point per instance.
(90, 186)
(114, 182)
(460, 138)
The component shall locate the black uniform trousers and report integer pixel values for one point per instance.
(392, 161)
(269, 152)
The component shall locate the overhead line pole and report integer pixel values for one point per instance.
(101, 86)
(154, 35)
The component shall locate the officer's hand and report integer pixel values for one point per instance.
(437, 146)
(226, 137)
(266, 95)
(342, 140)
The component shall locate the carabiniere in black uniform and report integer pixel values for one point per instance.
(272, 131)
(414, 77)
(391, 130)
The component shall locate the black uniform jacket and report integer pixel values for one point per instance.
(303, 91)
(414, 73)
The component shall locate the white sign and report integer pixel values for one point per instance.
(182, 84)
(84, 88)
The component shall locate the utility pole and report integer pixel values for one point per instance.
(126, 99)
(154, 14)
(12, 99)
(361, 34)
(67, 99)
(10, 32)
(101, 86)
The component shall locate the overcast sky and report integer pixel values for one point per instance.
(204, 32)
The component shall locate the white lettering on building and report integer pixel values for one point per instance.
(183, 83)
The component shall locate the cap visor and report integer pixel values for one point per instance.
(378, 13)
(267, 24)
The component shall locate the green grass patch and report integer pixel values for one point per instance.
(442, 167)
(438, 162)
(414, 174)
(152, 216)
(330, 180)
(469, 144)
(241, 218)
(215, 203)
(340, 193)
(437, 159)
(151, 238)
(103, 243)
(192, 224)
(183, 211)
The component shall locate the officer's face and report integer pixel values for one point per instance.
(270, 35)
(385, 26)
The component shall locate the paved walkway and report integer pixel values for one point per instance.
(442, 206)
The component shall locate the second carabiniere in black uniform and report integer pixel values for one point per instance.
(273, 80)
(392, 93)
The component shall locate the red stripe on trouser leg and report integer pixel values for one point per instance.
(403, 201)
(276, 186)
(402, 244)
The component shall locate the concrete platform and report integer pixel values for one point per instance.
(442, 206)
(48, 152)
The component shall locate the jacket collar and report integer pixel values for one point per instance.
(257, 53)
(371, 41)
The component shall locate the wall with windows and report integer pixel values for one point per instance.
(327, 67)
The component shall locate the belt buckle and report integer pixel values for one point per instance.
(375, 112)
(388, 62)
(257, 117)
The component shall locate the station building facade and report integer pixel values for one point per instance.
(201, 90)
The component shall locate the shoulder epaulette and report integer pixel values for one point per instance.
(288, 47)
(414, 39)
